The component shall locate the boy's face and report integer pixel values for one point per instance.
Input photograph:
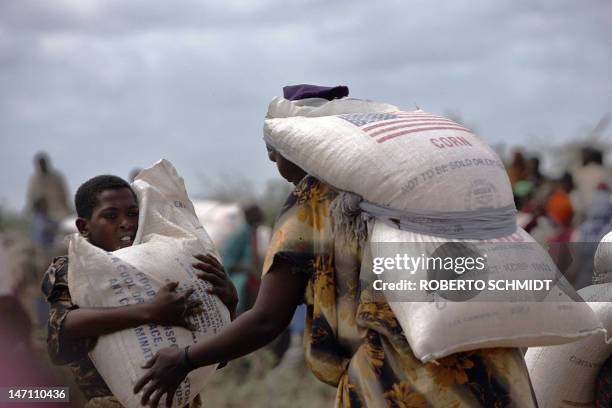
(114, 220)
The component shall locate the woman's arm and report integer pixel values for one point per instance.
(280, 292)
(279, 295)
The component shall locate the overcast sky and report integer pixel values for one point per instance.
(104, 86)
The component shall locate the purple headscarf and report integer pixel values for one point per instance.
(303, 91)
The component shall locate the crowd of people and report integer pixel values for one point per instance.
(350, 341)
(570, 215)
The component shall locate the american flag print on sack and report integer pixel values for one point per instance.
(388, 126)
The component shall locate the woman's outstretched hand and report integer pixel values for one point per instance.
(167, 369)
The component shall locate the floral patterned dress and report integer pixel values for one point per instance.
(352, 339)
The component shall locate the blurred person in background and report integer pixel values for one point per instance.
(43, 235)
(47, 202)
(560, 212)
(44, 228)
(533, 172)
(531, 214)
(542, 186)
(48, 184)
(531, 197)
(243, 260)
(517, 170)
(586, 237)
(588, 177)
(598, 220)
(241, 256)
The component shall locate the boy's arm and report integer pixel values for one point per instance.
(72, 332)
(167, 308)
(81, 323)
(280, 292)
(55, 289)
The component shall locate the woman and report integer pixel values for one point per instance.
(352, 340)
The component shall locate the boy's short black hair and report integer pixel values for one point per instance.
(86, 197)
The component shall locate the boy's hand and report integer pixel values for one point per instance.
(212, 271)
(165, 374)
(169, 308)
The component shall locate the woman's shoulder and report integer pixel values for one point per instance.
(312, 187)
(310, 192)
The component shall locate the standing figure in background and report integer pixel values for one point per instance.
(542, 187)
(242, 259)
(517, 171)
(47, 201)
(48, 184)
(597, 223)
(44, 228)
(560, 212)
(588, 177)
(533, 171)
(43, 233)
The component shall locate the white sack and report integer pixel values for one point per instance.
(404, 160)
(565, 376)
(436, 327)
(220, 220)
(603, 260)
(420, 162)
(168, 236)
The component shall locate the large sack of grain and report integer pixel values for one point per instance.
(565, 376)
(168, 236)
(426, 181)
(403, 160)
(441, 322)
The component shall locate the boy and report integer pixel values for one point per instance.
(107, 210)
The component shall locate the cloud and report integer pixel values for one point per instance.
(108, 85)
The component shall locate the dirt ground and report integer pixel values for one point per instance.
(259, 386)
